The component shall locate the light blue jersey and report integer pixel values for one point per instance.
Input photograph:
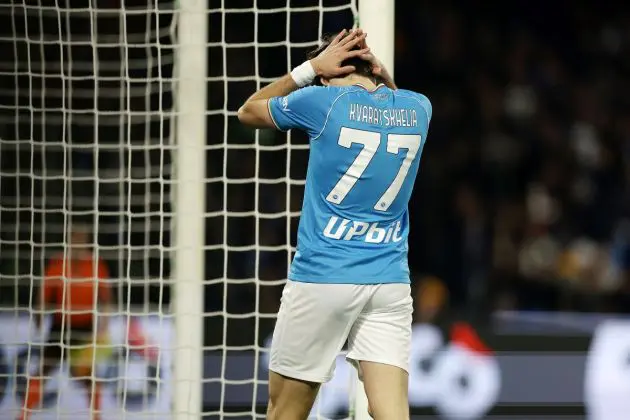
(365, 152)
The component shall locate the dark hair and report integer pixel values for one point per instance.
(363, 68)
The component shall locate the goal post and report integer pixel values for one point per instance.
(376, 17)
(189, 220)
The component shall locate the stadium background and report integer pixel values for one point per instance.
(521, 203)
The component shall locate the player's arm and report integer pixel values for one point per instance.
(381, 71)
(255, 111)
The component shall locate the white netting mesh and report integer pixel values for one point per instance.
(85, 126)
(85, 138)
(255, 188)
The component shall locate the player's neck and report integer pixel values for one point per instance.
(367, 84)
(363, 81)
(355, 79)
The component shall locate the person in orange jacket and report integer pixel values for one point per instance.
(73, 291)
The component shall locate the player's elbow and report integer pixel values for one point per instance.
(245, 115)
(248, 114)
(255, 114)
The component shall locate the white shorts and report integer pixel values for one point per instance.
(315, 320)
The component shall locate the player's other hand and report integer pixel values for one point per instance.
(377, 66)
(328, 64)
(378, 69)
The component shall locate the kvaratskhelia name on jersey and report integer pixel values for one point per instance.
(400, 117)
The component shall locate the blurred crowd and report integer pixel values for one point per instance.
(522, 199)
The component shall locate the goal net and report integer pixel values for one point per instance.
(88, 157)
(255, 195)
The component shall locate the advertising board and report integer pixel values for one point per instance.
(453, 375)
(134, 384)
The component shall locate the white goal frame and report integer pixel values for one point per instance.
(189, 218)
(377, 18)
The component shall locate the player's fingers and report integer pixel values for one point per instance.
(363, 44)
(354, 42)
(338, 38)
(346, 69)
(358, 53)
(350, 38)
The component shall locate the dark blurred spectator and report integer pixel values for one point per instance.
(431, 300)
(528, 152)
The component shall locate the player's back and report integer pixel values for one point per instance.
(364, 157)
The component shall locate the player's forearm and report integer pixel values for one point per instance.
(254, 111)
(388, 79)
(280, 87)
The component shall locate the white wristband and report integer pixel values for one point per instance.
(304, 74)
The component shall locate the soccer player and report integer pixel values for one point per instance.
(349, 279)
(73, 292)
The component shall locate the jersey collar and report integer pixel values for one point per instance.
(380, 85)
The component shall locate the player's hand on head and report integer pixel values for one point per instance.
(377, 66)
(328, 64)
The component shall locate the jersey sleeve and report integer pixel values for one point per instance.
(426, 104)
(423, 102)
(305, 109)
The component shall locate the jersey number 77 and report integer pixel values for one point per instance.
(371, 141)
